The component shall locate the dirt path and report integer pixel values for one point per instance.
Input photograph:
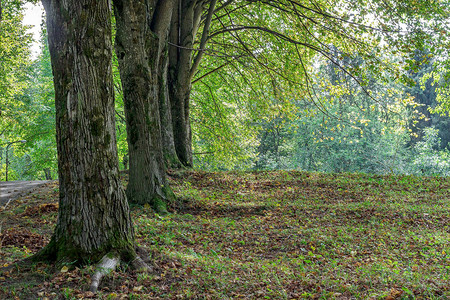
(11, 190)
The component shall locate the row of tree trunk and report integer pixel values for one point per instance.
(154, 45)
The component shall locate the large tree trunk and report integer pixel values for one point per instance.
(139, 49)
(94, 217)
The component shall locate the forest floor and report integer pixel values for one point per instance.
(252, 235)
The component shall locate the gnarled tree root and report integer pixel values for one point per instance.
(109, 263)
(140, 265)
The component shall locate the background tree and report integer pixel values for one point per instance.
(183, 64)
(140, 49)
(424, 93)
(237, 29)
(249, 45)
(40, 127)
(14, 69)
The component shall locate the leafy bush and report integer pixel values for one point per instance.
(428, 159)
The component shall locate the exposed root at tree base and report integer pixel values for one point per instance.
(109, 263)
(140, 265)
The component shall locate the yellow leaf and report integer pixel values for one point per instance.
(138, 288)
(89, 294)
(64, 269)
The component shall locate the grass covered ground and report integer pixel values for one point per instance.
(273, 235)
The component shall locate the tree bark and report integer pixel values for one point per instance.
(182, 67)
(182, 33)
(160, 26)
(179, 95)
(139, 51)
(94, 217)
(170, 155)
(48, 174)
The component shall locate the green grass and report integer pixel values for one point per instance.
(274, 235)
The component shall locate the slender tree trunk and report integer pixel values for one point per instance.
(160, 26)
(167, 134)
(94, 217)
(138, 51)
(179, 92)
(48, 174)
(182, 66)
(182, 33)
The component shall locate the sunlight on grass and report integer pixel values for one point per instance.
(285, 235)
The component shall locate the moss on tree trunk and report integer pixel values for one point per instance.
(139, 50)
(94, 217)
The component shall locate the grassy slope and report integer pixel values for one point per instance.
(262, 235)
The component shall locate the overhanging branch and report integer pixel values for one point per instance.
(204, 38)
(214, 70)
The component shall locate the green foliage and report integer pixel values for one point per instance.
(221, 141)
(28, 111)
(429, 159)
(41, 128)
(442, 80)
(426, 93)
(14, 63)
(355, 129)
(121, 132)
(261, 71)
(14, 68)
(359, 141)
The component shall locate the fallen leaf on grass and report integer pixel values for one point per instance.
(40, 209)
(85, 295)
(64, 269)
(394, 294)
(138, 288)
(21, 237)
